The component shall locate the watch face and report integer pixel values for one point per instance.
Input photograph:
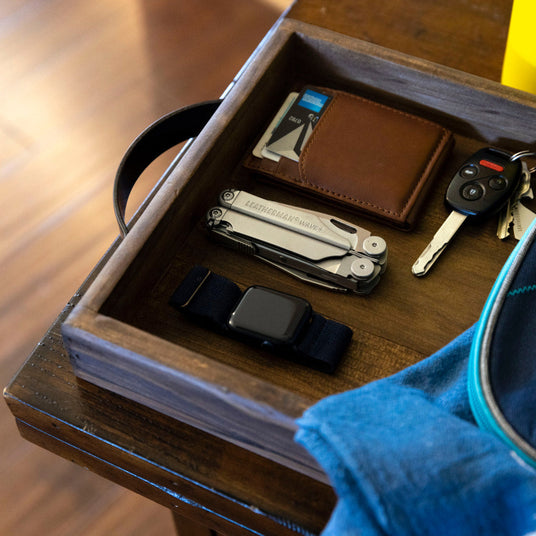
(269, 315)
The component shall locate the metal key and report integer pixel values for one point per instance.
(480, 187)
(507, 215)
(438, 243)
(523, 218)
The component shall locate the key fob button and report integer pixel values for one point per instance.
(497, 183)
(469, 172)
(472, 192)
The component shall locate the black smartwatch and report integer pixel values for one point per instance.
(278, 321)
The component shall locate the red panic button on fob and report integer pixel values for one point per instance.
(491, 165)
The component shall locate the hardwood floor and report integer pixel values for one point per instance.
(78, 81)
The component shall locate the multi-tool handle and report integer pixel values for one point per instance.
(312, 246)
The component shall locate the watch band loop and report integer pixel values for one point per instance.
(324, 342)
(207, 296)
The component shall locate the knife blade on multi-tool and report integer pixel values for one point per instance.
(315, 247)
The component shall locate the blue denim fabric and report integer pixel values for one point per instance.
(406, 458)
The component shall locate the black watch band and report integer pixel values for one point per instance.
(276, 320)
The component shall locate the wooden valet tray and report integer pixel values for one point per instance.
(123, 335)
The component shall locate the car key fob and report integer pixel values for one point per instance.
(482, 186)
(484, 183)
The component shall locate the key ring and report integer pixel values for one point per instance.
(524, 154)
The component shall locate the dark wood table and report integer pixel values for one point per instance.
(207, 483)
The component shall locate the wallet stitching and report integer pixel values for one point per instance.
(301, 164)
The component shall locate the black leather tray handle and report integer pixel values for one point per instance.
(168, 131)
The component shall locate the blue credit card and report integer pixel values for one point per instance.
(296, 126)
(312, 100)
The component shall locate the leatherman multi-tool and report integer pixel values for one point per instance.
(315, 247)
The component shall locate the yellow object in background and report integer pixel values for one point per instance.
(519, 67)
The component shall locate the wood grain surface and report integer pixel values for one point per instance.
(78, 81)
(469, 36)
(125, 337)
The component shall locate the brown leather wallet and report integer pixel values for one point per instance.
(366, 156)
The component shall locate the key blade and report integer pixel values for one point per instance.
(438, 243)
(523, 218)
(506, 216)
(526, 180)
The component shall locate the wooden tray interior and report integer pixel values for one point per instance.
(404, 319)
